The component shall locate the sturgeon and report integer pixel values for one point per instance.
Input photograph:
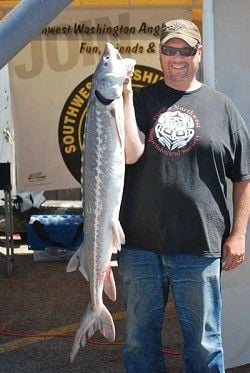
(103, 169)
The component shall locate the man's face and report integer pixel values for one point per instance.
(179, 70)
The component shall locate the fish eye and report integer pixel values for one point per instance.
(105, 58)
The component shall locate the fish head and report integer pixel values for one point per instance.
(111, 73)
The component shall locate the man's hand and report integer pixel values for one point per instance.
(233, 252)
(134, 138)
(127, 86)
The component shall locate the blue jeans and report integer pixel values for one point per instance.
(195, 284)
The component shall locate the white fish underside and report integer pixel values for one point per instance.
(103, 184)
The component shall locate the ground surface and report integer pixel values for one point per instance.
(40, 297)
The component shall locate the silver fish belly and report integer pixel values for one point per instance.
(103, 169)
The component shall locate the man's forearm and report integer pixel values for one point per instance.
(233, 251)
(241, 210)
(134, 138)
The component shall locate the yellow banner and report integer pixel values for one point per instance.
(9, 4)
(51, 81)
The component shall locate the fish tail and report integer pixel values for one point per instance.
(94, 319)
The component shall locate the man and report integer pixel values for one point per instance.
(182, 140)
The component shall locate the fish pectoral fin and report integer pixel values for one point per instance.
(121, 233)
(118, 236)
(109, 285)
(120, 131)
(93, 320)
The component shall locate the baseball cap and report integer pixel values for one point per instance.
(180, 29)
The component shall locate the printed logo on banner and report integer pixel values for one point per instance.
(72, 119)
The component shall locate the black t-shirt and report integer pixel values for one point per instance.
(174, 199)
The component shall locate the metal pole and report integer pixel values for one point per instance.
(25, 22)
(9, 231)
(208, 43)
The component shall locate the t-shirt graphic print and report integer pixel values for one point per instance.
(175, 131)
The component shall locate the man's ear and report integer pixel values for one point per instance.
(200, 52)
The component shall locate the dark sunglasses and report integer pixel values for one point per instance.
(185, 52)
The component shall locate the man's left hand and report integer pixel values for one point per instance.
(233, 252)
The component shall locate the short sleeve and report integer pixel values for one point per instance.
(141, 111)
(240, 165)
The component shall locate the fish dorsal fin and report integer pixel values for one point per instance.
(75, 264)
(84, 272)
(117, 235)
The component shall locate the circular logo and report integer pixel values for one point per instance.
(176, 131)
(72, 119)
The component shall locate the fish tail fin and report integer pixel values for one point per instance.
(93, 320)
(109, 285)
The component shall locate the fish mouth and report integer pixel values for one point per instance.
(112, 51)
(118, 55)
